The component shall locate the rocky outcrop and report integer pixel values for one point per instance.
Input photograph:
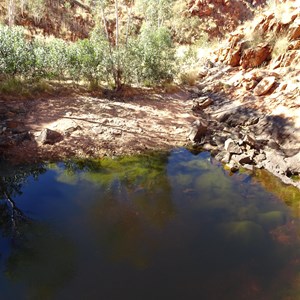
(254, 120)
(243, 135)
(221, 16)
(255, 44)
(12, 129)
(255, 56)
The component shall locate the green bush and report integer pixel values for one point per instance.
(37, 58)
(156, 56)
(16, 54)
(147, 58)
(56, 59)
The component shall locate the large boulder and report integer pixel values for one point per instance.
(234, 57)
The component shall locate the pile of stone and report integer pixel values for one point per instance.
(242, 49)
(12, 129)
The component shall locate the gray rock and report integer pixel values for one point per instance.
(248, 167)
(251, 153)
(242, 159)
(219, 140)
(48, 136)
(240, 119)
(275, 162)
(220, 155)
(202, 103)
(208, 147)
(249, 140)
(232, 147)
(260, 158)
(198, 131)
(293, 163)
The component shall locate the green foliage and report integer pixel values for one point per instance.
(87, 60)
(147, 58)
(36, 8)
(38, 58)
(51, 59)
(156, 55)
(11, 85)
(15, 53)
(156, 12)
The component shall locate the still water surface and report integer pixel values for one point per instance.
(161, 226)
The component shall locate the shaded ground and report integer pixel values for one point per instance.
(97, 127)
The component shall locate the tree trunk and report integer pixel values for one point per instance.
(118, 73)
(128, 25)
(11, 12)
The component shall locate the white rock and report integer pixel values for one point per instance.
(264, 86)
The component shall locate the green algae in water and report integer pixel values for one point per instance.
(243, 233)
(164, 226)
(287, 193)
(271, 219)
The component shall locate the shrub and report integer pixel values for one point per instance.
(147, 58)
(57, 58)
(86, 61)
(156, 55)
(16, 54)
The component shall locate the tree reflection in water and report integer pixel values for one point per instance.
(12, 218)
(29, 261)
(133, 205)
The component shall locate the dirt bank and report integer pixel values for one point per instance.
(87, 126)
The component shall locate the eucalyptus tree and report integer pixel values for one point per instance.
(11, 10)
(156, 12)
(135, 52)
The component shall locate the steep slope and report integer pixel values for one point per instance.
(66, 19)
(219, 17)
(254, 82)
(73, 19)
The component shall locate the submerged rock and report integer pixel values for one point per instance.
(232, 166)
(272, 219)
(245, 233)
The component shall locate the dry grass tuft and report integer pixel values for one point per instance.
(188, 77)
(280, 46)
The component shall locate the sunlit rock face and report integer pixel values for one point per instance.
(222, 16)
